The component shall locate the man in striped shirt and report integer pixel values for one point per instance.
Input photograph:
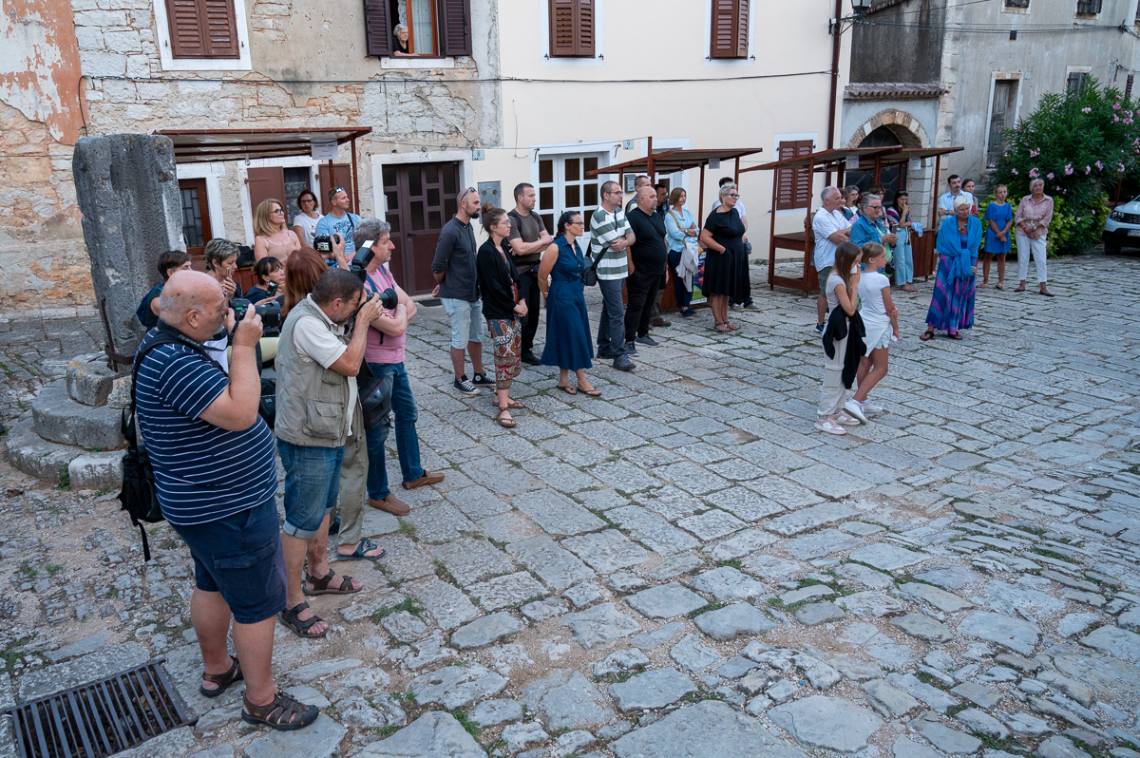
(215, 477)
(609, 247)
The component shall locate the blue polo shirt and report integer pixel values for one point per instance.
(202, 473)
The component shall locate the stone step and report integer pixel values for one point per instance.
(91, 382)
(34, 455)
(58, 418)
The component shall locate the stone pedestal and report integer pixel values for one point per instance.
(127, 190)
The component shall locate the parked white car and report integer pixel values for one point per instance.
(1122, 229)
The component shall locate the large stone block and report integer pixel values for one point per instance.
(32, 454)
(127, 190)
(91, 382)
(60, 419)
(96, 471)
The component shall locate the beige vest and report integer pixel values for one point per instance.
(311, 400)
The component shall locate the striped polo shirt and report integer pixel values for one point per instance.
(202, 472)
(605, 227)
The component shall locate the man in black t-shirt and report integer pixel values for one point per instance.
(646, 267)
(528, 239)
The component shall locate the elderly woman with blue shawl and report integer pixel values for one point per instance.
(952, 305)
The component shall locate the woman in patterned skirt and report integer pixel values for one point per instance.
(499, 287)
(952, 304)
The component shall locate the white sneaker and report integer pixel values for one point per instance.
(854, 409)
(871, 409)
(829, 426)
(845, 420)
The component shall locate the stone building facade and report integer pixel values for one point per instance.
(511, 103)
(934, 74)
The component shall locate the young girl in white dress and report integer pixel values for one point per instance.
(881, 322)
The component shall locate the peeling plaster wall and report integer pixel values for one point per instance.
(308, 69)
(42, 259)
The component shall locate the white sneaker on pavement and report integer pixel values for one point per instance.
(854, 409)
(829, 426)
(872, 409)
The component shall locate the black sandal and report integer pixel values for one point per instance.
(282, 713)
(223, 680)
(927, 335)
(323, 585)
(291, 618)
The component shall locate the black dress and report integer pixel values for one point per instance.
(726, 273)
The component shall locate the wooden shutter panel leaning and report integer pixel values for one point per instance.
(454, 27)
(793, 185)
(377, 28)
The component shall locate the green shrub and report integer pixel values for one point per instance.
(1083, 145)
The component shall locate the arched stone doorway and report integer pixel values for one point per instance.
(892, 177)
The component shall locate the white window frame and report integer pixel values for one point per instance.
(380, 201)
(599, 35)
(748, 59)
(212, 173)
(166, 53)
(558, 183)
(994, 79)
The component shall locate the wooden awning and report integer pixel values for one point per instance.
(203, 145)
(671, 161)
(830, 160)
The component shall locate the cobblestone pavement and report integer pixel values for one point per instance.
(685, 568)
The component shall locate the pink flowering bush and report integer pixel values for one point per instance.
(1088, 147)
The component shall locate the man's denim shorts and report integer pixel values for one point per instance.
(240, 557)
(312, 483)
(466, 321)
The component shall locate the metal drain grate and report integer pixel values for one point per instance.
(100, 718)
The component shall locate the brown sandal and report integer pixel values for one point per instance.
(291, 618)
(592, 392)
(503, 418)
(282, 713)
(223, 680)
(323, 586)
(927, 335)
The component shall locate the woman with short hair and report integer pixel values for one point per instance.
(400, 47)
(1034, 214)
(723, 240)
(272, 236)
(957, 243)
(900, 220)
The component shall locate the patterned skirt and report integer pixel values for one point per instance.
(952, 304)
(507, 338)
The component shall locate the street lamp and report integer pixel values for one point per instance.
(859, 8)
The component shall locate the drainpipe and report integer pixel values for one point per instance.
(836, 40)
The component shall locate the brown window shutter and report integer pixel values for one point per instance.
(454, 27)
(377, 28)
(729, 29)
(793, 186)
(571, 28)
(202, 29)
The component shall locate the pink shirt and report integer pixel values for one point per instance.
(392, 348)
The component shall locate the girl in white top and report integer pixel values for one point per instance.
(881, 321)
(842, 287)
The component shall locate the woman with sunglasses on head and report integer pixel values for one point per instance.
(305, 222)
(272, 236)
(568, 344)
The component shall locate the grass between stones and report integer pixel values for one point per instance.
(13, 652)
(731, 563)
(933, 681)
(1051, 554)
(704, 609)
(407, 604)
(406, 528)
(466, 722)
(442, 572)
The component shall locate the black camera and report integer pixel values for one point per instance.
(323, 243)
(270, 314)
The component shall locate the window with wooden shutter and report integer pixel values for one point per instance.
(571, 28)
(202, 29)
(377, 28)
(793, 185)
(729, 29)
(455, 27)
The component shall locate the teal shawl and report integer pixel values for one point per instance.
(949, 243)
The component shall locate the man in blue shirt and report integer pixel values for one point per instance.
(339, 220)
(215, 477)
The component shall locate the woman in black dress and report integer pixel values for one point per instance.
(726, 260)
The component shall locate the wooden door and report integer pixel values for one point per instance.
(196, 231)
(336, 175)
(420, 199)
(265, 184)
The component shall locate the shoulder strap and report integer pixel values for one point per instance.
(165, 336)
